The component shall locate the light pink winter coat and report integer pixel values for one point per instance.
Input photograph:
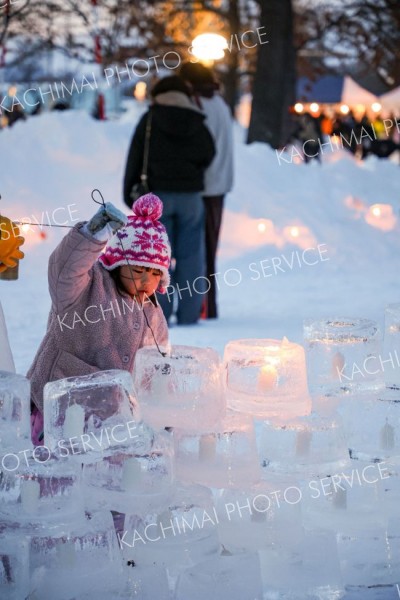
(91, 326)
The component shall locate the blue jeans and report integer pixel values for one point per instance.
(183, 217)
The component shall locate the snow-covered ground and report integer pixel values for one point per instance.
(298, 241)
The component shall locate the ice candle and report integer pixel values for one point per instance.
(74, 422)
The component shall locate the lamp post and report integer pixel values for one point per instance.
(208, 47)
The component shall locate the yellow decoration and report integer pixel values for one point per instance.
(10, 241)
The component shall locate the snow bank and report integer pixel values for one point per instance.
(298, 240)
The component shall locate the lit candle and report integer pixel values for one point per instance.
(338, 362)
(74, 421)
(387, 437)
(131, 474)
(30, 494)
(207, 448)
(303, 442)
(66, 554)
(267, 378)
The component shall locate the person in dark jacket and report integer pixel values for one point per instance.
(219, 175)
(180, 150)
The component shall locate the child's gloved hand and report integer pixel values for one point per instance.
(10, 241)
(106, 222)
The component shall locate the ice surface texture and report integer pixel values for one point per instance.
(223, 578)
(309, 446)
(182, 389)
(15, 407)
(40, 494)
(81, 412)
(372, 424)
(343, 355)
(266, 378)
(85, 561)
(182, 534)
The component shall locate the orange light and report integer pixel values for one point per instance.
(294, 231)
(314, 107)
(376, 211)
(298, 107)
(344, 109)
(261, 227)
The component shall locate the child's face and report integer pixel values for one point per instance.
(139, 282)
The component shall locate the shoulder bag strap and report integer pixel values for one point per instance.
(143, 176)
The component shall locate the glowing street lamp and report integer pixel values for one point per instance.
(298, 107)
(314, 107)
(209, 46)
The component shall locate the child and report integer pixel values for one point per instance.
(104, 306)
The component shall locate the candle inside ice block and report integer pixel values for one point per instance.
(30, 494)
(338, 362)
(131, 474)
(267, 378)
(66, 554)
(303, 442)
(207, 448)
(74, 421)
(387, 437)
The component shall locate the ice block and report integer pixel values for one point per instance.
(85, 416)
(180, 535)
(308, 446)
(138, 477)
(183, 389)
(39, 494)
(224, 457)
(266, 378)
(15, 406)
(343, 355)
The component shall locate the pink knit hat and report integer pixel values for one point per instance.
(143, 241)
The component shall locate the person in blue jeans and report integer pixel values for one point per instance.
(180, 150)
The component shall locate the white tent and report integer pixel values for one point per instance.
(391, 101)
(6, 357)
(353, 94)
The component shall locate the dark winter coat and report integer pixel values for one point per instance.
(181, 148)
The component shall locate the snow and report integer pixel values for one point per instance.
(277, 210)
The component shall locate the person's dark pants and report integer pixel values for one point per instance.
(183, 217)
(213, 206)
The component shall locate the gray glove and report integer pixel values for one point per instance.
(106, 222)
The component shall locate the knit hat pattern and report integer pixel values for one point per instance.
(142, 242)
